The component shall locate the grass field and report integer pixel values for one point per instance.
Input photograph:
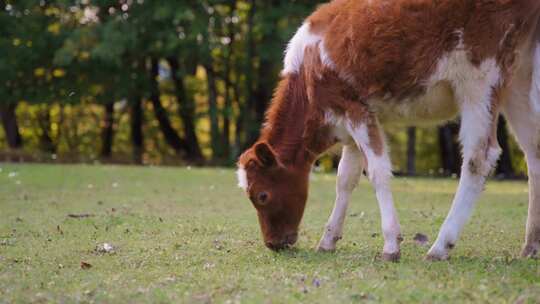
(183, 235)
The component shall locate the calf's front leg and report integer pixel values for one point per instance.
(368, 136)
(349, 171)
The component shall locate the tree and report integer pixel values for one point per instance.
(411, 151)
(449, 149)
(504, 165)
(11, 127)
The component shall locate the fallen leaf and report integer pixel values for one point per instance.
(84, 215)
(421, 239)
(85, 265)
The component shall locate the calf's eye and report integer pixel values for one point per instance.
(262, 197)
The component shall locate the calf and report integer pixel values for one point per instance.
(355, 65)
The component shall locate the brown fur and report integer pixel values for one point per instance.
(383, 47)
(379, 56)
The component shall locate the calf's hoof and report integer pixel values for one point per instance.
(437, 255)
(531, 251)
(391, 257)
(323, 248)
(436, 258)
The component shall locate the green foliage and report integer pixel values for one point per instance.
(88, 52)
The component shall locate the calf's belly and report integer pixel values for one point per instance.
(436, 106)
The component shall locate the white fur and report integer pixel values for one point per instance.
(242, 178)
(325, 58)
(467, 80)
(473, 88)
(294, 55)
(349, 171)
(379, 167)
(379, 170)
(455, 82)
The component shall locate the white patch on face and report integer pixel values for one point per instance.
(242, 178)
(294, 55)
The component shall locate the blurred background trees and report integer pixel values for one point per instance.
(163, 82)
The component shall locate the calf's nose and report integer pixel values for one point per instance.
(285, 242)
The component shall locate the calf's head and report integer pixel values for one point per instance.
(277, 192)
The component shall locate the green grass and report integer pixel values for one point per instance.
(191, 236)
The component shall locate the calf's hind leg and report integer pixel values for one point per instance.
(478, 137)
(525, 124)
(349, 171)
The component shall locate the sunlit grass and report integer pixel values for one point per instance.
(190, 236)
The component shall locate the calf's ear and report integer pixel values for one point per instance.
(265, 155)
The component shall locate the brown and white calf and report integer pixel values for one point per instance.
(355, 65)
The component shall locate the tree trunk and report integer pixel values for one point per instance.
(227, 113)
(186, 110)
(239, 126)
(136, 123)
(11, 127)
(44, 121)
(262, 95)
(411, 151)
(449, 148)
(107, 133)
(504, 166)
(170, 135)
(217, 151)
(245, 121)
(266, 78)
